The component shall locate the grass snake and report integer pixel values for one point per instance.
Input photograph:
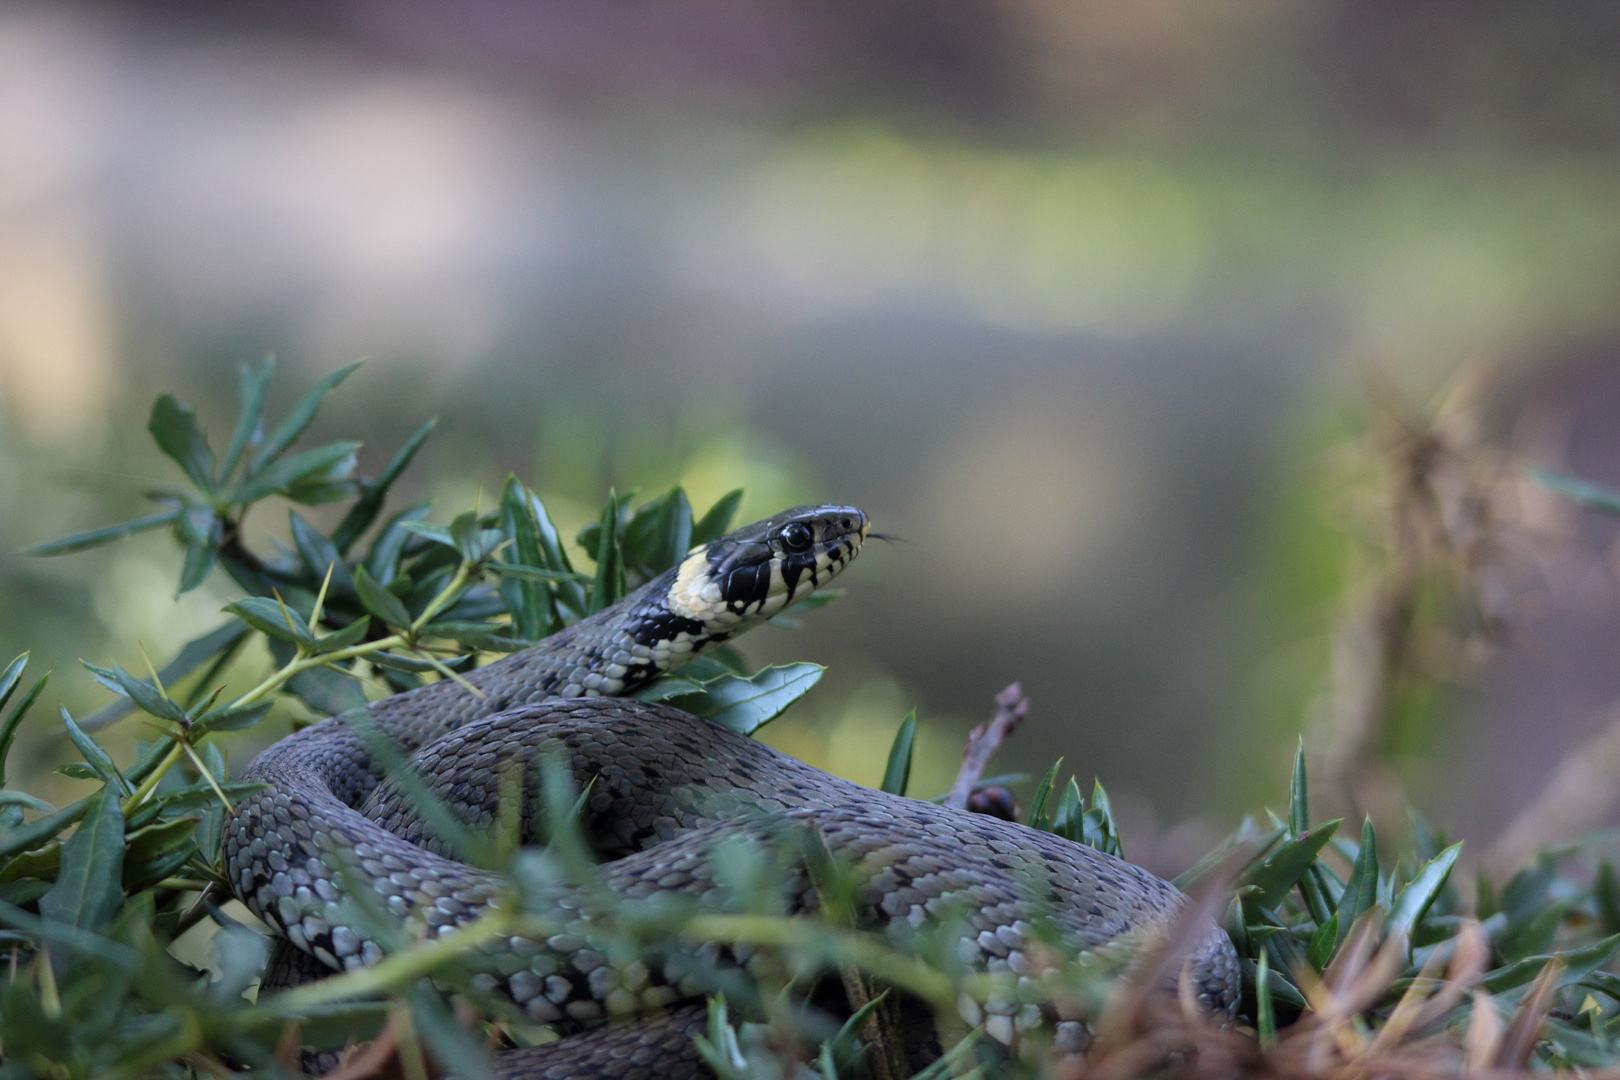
(664, 788)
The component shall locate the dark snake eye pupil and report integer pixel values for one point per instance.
(796, 537)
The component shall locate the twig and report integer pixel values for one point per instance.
(983, 741)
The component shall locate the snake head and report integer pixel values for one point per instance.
(759, 569)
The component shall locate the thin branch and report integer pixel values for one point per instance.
(983, 741)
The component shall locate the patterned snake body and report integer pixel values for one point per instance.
(665, 789)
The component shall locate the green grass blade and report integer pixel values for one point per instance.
(609, 585)
(1038, 817)
(1361, 891)
(1299, 813)
(1265, 1020)
(897, 774)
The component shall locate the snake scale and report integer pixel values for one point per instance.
(665, 788)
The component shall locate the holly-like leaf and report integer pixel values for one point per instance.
(232, 718)
(319, 466)
(297, 420)
(669, 687)
(483, 636)
(200, 530)
(174, 429)
(1414, 900)
(382, 561)
(218, 645)
(473, 542)
(272, 618)
(349, 636)
(713, 525)
(1280, 871)
(251, 386)
(658, 534)
(142, 693)
(1299, 813)
(747, 704)
(318, 553)
(106, 534)
(437, 534)
(330, 483)
(378, 600)
(98, 759)
(1039, 818)
(88, 890)
(528, 598)
(1361, 891)
(1068, 820)
(373, 493)
(22, 798)
(1097, 827)
(417, 665)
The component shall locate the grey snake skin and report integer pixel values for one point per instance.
(665, 788)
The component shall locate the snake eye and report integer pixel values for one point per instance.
(797, 538)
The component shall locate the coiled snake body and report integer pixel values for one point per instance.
(665, 788)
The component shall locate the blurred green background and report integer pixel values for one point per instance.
(1070, 296)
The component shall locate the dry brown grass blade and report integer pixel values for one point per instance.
(1469, 959)
(287, 1048)
(1368, 985)
(1352, 957)
(371, 1059)
(1525, 1025)
(1484, 1035)
(1408, 1008)
(1418, 1006)
(1160, 970)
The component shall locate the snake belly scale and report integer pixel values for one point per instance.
(665, 787)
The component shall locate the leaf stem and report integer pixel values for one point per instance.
(304, 662)
(394, 971)
(440, 602)
(139, 795)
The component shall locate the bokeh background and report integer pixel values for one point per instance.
(1076, 297)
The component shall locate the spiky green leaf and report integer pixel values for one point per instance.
(897, 773)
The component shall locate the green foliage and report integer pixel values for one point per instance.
(143, 865)
(743, 703)
(93, 895)
(897, 773)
